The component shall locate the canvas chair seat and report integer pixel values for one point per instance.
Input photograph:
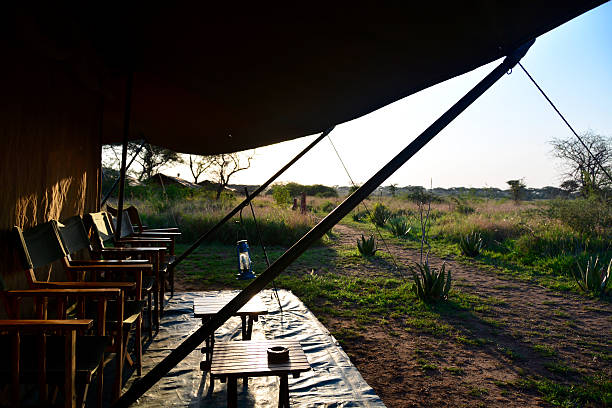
(89, 354)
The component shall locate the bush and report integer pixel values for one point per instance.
(358, 215)
(380, 215)
(281, 195)
(367, 247)
(591, 216)
(461, 206)
(327, 206)
(471, 244)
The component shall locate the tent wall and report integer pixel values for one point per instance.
(49, 154)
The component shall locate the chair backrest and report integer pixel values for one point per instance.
(74, 235)
(102, 229)
(127, 229)
(132, 212)
(39, 246)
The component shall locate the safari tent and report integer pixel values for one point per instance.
(207, 79)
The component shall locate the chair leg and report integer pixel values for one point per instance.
(100, 380)
(139, 345)
(171, 277)
(119, 369)
(150, 314)
(162, 295)
(157, 317)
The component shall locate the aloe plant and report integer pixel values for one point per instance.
(367, 247)
(399, 227)
(380, 215)
(431, 284)
(471, 244)
(594, 277)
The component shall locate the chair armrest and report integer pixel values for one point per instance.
(131, 250)
(126, 267)
(46, 324)
(159, 234)
(87, 285)
(63, 292)
(79, 262)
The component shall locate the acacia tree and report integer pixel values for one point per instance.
(151, 158)
(584, 170)
(224, 166)
(517, 188)
(198, 165)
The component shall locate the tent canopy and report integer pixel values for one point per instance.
(211, 79)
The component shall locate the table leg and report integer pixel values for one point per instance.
(249, 327)
(232, 394)
(283, 395)
(244, 328)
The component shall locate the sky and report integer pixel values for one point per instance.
(504, 135)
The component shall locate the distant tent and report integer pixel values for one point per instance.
(209, 185)
(165, 180)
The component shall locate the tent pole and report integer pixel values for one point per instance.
(247, 200)
(195, 339)
(126, 134)
(107, 196)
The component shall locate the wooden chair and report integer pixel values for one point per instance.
(128, 231)
(103, 234)
(72, 362)
(75, 240)
(137, 221)
(13, 337)
(41, 246)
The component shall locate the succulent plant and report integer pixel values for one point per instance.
(471, 244)
(367, 247)
(399, 227)
(380, 215)
(594, 277)
(431, 284)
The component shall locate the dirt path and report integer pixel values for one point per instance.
(524, 330)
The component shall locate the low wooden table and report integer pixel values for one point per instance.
(234, 359)
(208, 305)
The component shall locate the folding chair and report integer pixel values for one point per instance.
(137, 221)
(41, 246)
(75, 240)
(38, 358)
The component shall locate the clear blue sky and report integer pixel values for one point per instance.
(502, 136)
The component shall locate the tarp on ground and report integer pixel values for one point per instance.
(333, 380)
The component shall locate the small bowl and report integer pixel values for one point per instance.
(278, 354)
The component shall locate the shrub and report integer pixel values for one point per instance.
(588, 216)
(593, 278)
(431, 284)
(471, 244)
(281, 195)
(327, 206)
(367, 247)
(380, 215)
(399, 227)
(461, 206)
(358, 215)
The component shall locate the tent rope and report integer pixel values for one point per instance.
(397, 268)
(566, 122)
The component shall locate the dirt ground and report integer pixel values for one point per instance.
(526, 331)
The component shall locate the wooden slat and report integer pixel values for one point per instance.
(209, 305)
(250, 358)
(46, 324)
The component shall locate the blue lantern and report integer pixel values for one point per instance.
(245, 265)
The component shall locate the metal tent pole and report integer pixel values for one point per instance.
(107, 196)
(126, 134)
(195, 339)
(247, 200)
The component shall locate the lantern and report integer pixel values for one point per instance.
(245, 265)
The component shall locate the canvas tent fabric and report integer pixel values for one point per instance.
(211, 79)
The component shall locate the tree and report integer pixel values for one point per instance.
(393, 189)
(582, 168)
(224, 166)
(198, 165)
(517, 188)
(151, 158)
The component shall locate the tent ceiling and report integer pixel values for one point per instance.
(210, 79)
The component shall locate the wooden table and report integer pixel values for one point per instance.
(209, 304)
(234, 359)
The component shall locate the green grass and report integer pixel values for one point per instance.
(426, 365)
(544, 350)
(455, 370)
(594, 391)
